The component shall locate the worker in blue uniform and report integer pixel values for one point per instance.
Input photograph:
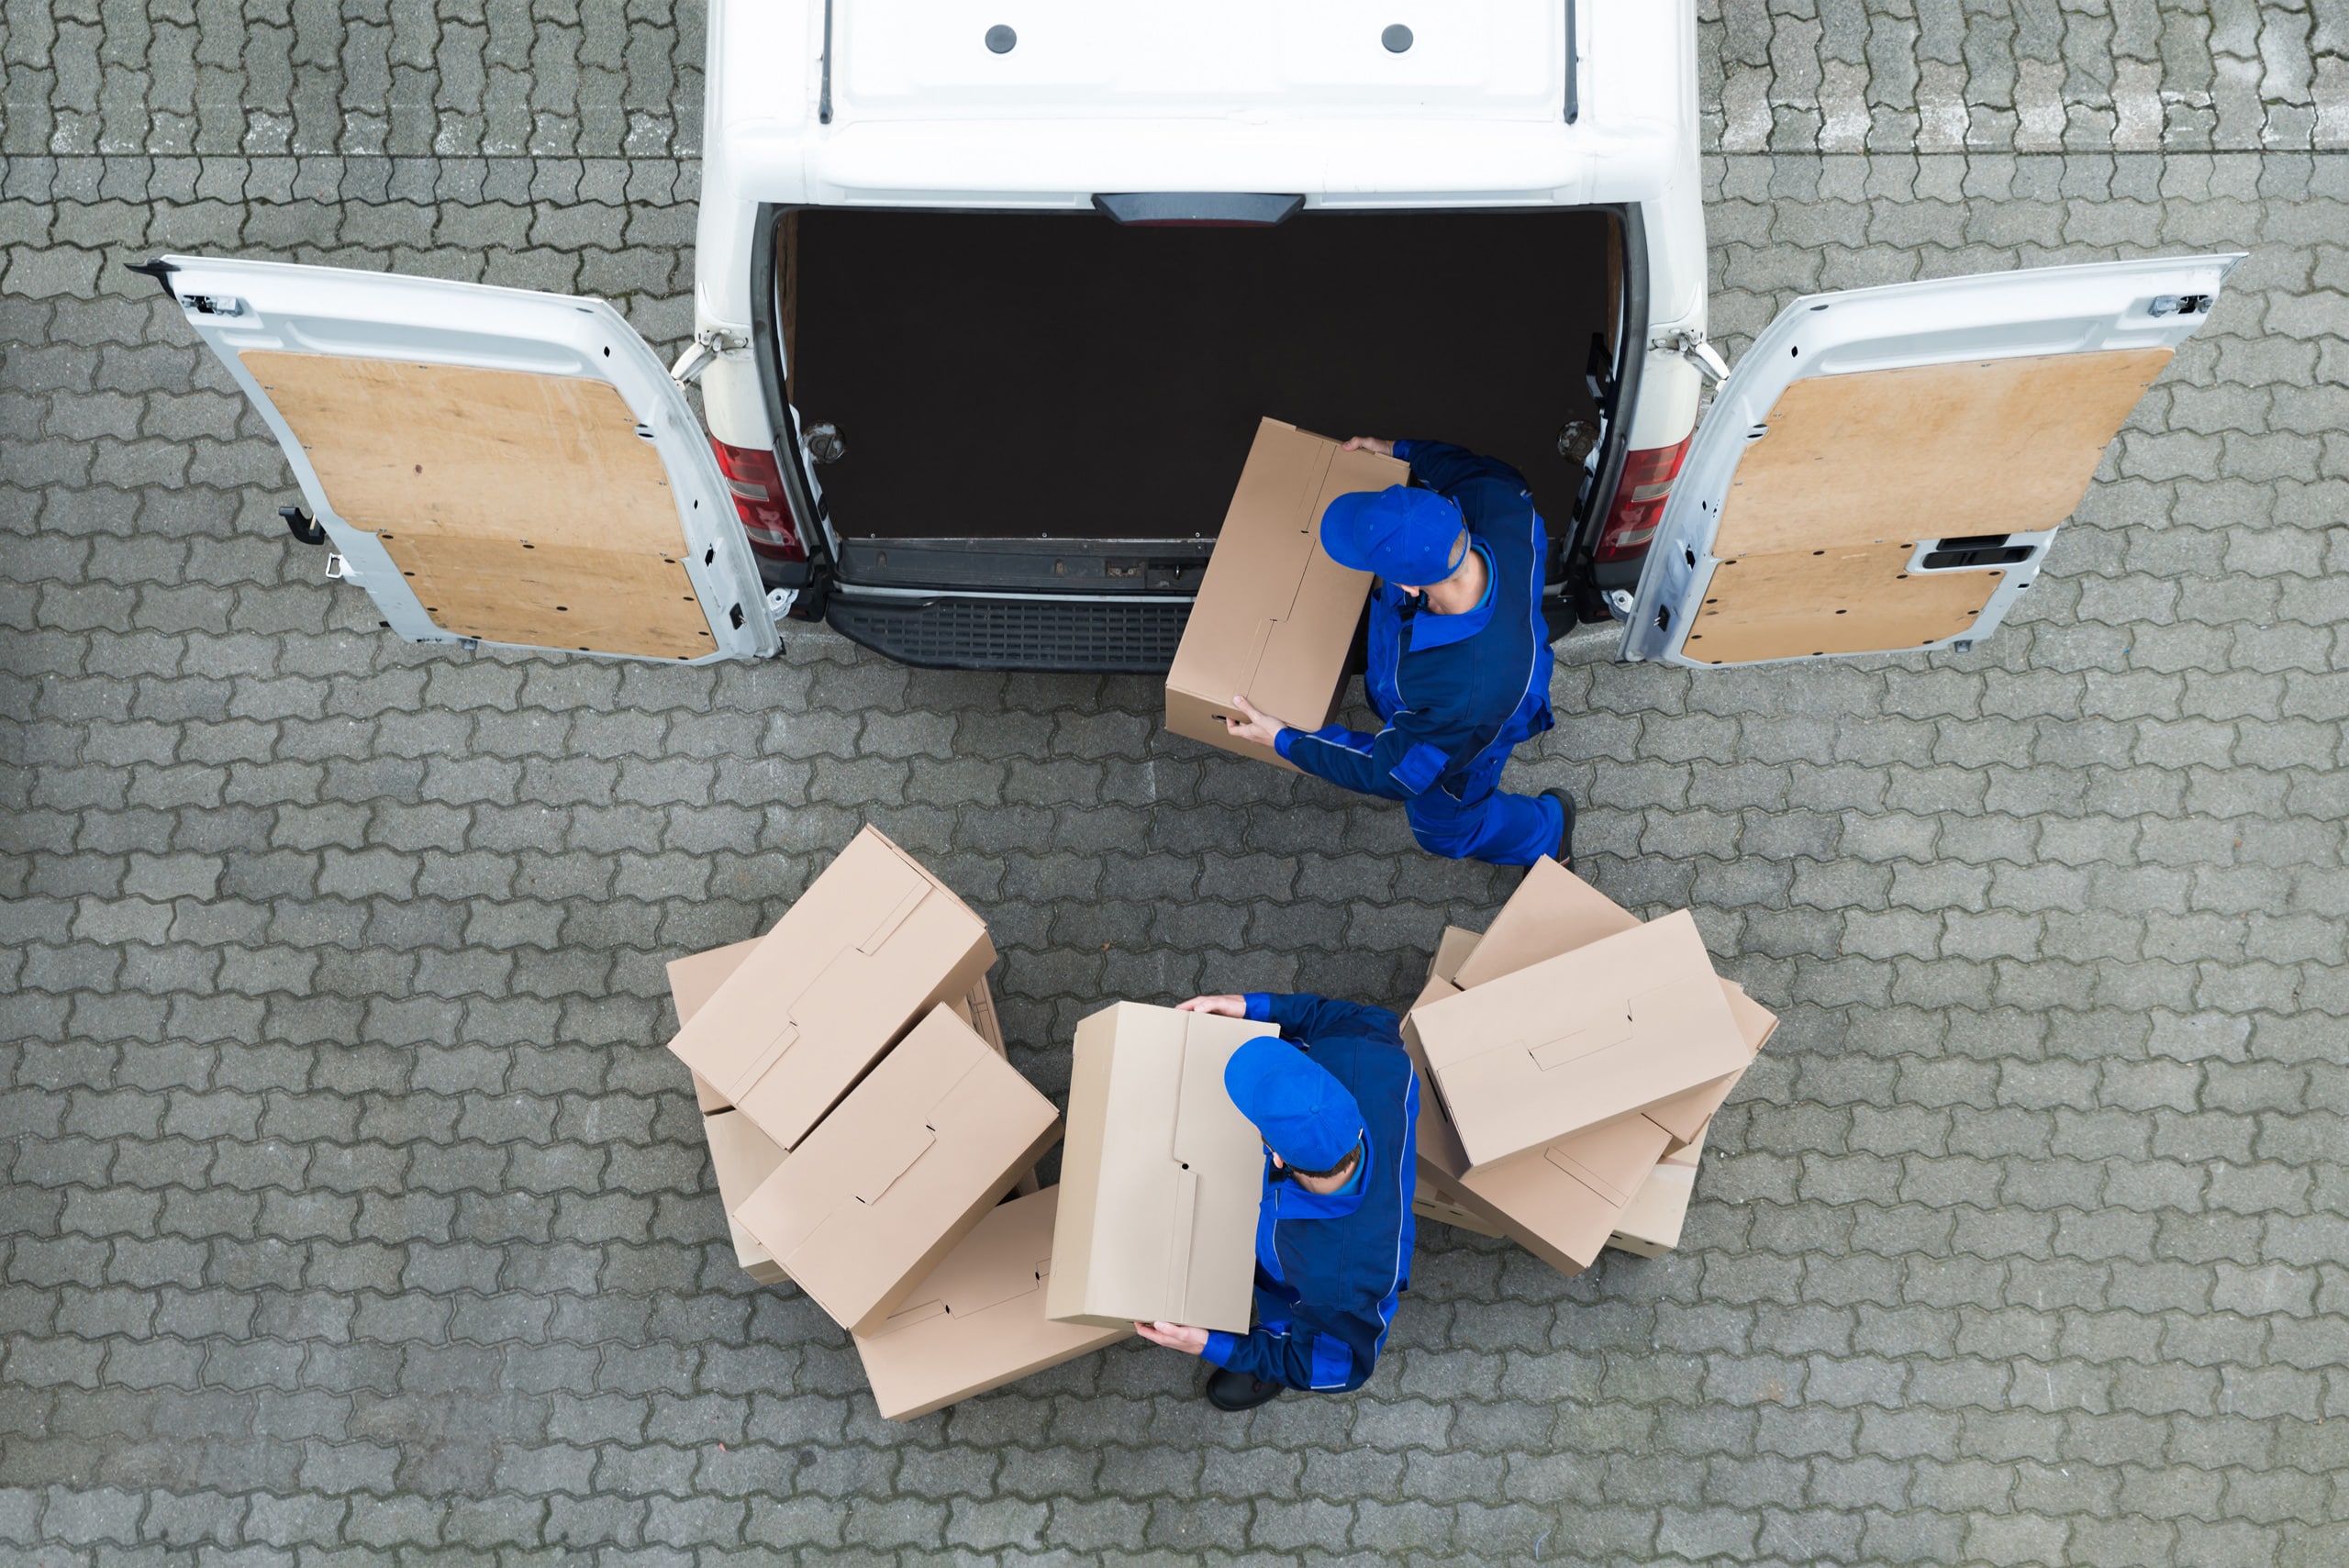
(1335, 1098)
(1460, 660)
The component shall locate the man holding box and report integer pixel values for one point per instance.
(1337, 1104)
(1459, 657)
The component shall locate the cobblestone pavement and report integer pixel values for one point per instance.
(354, 1214)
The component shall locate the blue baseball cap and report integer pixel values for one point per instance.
(1306, 1117)
(1404, 535)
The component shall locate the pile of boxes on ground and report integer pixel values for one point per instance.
(1570, 1060)
(873, 1144)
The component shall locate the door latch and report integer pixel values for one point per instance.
(299, 524)
(707, 345)
(1707, 358)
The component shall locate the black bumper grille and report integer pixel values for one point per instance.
(1017, 634)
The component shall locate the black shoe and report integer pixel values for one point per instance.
(1565, 854)
(1229, 1390)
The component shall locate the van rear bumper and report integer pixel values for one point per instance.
(979, 632)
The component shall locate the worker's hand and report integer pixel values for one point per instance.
(1261, 727)
(1369, 444)
(1174, 1337)
(1229, 1006)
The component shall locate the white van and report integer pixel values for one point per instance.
(987, 305)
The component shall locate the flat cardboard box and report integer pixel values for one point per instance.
(1650, 1226)
(1161, 1176)
(978, 1009)
(694, 980)
(1606, 1031)
(901, 1170)
(872, 946)
(1275, 616)
(976, 1322)
(744, 1157)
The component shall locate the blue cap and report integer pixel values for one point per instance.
(1306, 1115)
(1406, 535)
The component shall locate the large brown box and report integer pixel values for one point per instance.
(901, 1170)
(1649, 1225)
(872, 946)
(1275, 616)
(1554, 911)
(1561, 1206)
(1613, 1027)
(976, 1322)
(1161, 1175)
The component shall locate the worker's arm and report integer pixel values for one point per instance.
(1443, 468)
(1399, 761)
(1331, 1356)
(1300, 1015)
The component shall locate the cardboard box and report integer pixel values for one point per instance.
(1566, 1207)
(1650, 1226)
(1609, 1028)
(1433, 1202)
(976, 1322)
(901, 1170)
(872, 946)
(694, 980)
(744, 1157)
(1560, 1205)
(978, 1009)
(1275, 616)
(1554, 911)
(1161, 1175)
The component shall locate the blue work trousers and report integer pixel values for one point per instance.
(1485, 822)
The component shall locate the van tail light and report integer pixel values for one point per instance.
(756, 482)
(1640, 497)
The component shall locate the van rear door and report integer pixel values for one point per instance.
(493, 464)
(1885, 468)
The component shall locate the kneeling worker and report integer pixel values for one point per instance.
(1459, 657)
(1338, 1106)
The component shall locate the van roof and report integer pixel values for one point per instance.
(913, 102)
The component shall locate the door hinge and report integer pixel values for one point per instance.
(780, 602)
(707, 345)
(1707, 358)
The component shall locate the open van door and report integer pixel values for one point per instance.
(493, 464)
(1886, 467)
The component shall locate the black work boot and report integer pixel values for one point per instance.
(1229, 1390)
(1566, 852)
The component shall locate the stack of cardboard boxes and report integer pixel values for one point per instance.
(866, 1126)
(1569, 1061)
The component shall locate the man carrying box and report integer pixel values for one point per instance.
(1337, 1104)
(1459, 657)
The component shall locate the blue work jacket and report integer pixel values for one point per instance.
(1329, 1268)
(1451, 690)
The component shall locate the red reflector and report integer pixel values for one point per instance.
(756, 481)
(1640, 499)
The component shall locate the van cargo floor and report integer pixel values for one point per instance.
(1035, 375)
